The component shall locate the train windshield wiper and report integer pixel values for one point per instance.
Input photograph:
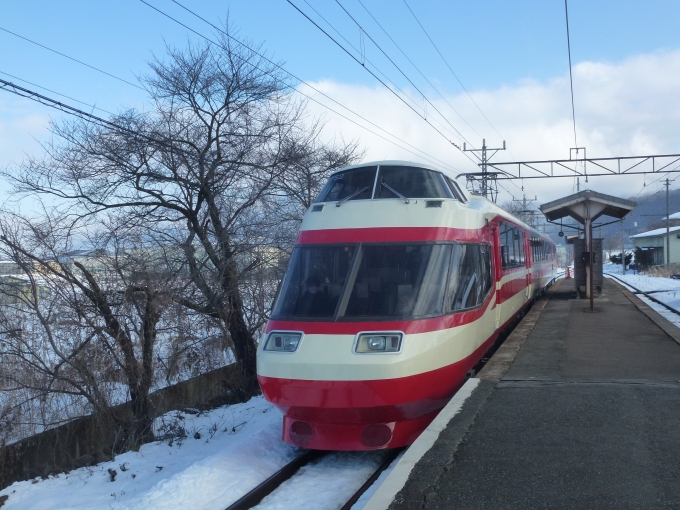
(339, 202)
(406, 201)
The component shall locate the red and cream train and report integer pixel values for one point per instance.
(398, 284)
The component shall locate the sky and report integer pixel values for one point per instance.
(503, 73)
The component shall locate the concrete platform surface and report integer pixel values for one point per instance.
(586, 416)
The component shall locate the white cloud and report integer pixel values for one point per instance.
(22, 125)
(622, 109)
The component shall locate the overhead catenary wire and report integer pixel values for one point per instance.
(450, 69)
(401, 71)
(377, 78)
(364, 60)
(421, 154)
(418, 69)
(422, 27)
(571, 79)
(73, 59)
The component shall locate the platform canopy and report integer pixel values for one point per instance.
(587, 204)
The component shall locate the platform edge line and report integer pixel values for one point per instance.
(395, 481)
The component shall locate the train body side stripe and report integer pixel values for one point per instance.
(511, 288)
(392, 234)
(409, 326)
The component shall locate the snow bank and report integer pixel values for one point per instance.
(226, 453)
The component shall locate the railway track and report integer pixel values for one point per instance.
(271, 484)
(647, 294)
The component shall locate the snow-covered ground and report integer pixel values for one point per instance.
(669, 290)
(225, 453)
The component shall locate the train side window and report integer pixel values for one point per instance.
(506, 245)
(410, 182)
(356, 183)
(470, 277)
(511, 246)
(518, 237)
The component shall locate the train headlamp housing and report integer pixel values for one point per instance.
(388, 342)
(283, 341)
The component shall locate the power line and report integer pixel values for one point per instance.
(71, 58)
(57, 93)
(400, 70)
(417, 69)
(427, 156)
(571, 80)
(71, 110)
(450, 69)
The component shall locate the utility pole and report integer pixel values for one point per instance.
(623, 249)
(525, 214)
(668, 231)
(485, 189)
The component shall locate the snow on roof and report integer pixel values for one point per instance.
(674, 216)
(656, 232)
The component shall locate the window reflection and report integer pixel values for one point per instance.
(384, 280)
(314, 281)
(470, 280)
(410, 182)
(356, 183)
(399, 281)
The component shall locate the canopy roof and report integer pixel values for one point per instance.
(587, 204)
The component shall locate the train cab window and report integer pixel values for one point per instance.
(470, 277)
(511, 245)
(455, 189)
(410, 182)
(355, 184)
(397, 281)
(314, 281)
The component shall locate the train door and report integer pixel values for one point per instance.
(497, 272)
(528, 263)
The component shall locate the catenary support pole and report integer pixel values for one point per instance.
(668, 231)
(623, 250)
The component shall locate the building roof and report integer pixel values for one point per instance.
(674, 216)
(659, 232)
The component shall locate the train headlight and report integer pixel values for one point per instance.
(283, 341)
(378, 342)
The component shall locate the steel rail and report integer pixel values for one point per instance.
(393, 454)
(638, 291)
(274, 482)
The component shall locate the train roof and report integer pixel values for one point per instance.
(401, 162)
(476, 202)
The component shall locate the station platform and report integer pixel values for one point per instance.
(577, 409)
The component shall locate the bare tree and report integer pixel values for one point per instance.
(83, 328)
(203, 171)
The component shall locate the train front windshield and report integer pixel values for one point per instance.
(353, 282)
